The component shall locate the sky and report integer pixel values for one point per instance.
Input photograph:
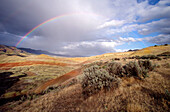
(85, 27)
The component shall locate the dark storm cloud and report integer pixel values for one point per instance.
(18, 16)
(8, 39)
(15, 17)
(79, 33)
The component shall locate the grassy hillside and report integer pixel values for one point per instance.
(108, 82)
(153, 50)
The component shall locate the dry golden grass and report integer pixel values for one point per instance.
(59, 80)
(133, 95)
(152, 50)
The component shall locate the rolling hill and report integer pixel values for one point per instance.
(43, 83)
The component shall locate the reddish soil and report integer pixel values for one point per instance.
(5, 68)
(10, 65)
(62, 78)
(59, 80)
(31, 63)
(31, 73)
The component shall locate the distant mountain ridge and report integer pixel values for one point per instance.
(11, 50)
(38, 52)
(4, 49)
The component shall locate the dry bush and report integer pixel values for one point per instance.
(145, 57)
(138, 69)
(115, 68)
(116, 58)
(146, 64)
(99, 63)
(149, 57)
(132, 69)
(95, 79)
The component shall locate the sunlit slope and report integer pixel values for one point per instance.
(153, 50)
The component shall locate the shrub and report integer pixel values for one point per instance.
(165, 58)
(164, 54)
(124, 59)
(137, 57)
(138, 69)
(147, 64)
(132, 69)
(149, 57)
(155, 45)
(159, 59)
(106, 77)
(95, 79)
(113, 59)
(116, 58)
(157, 65)
(115, 68)
(165, 44)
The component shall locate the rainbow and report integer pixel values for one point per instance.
(45, 22)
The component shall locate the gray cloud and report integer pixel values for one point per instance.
(160, 39)
(88, 48)
(18, 16)
(8, 39)
(160, 10)
(83, 48)
(86, 22)
(161, 26)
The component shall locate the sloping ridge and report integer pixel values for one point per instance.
(59, 80)
(11, 50)
(153, 50)
(63, 78)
